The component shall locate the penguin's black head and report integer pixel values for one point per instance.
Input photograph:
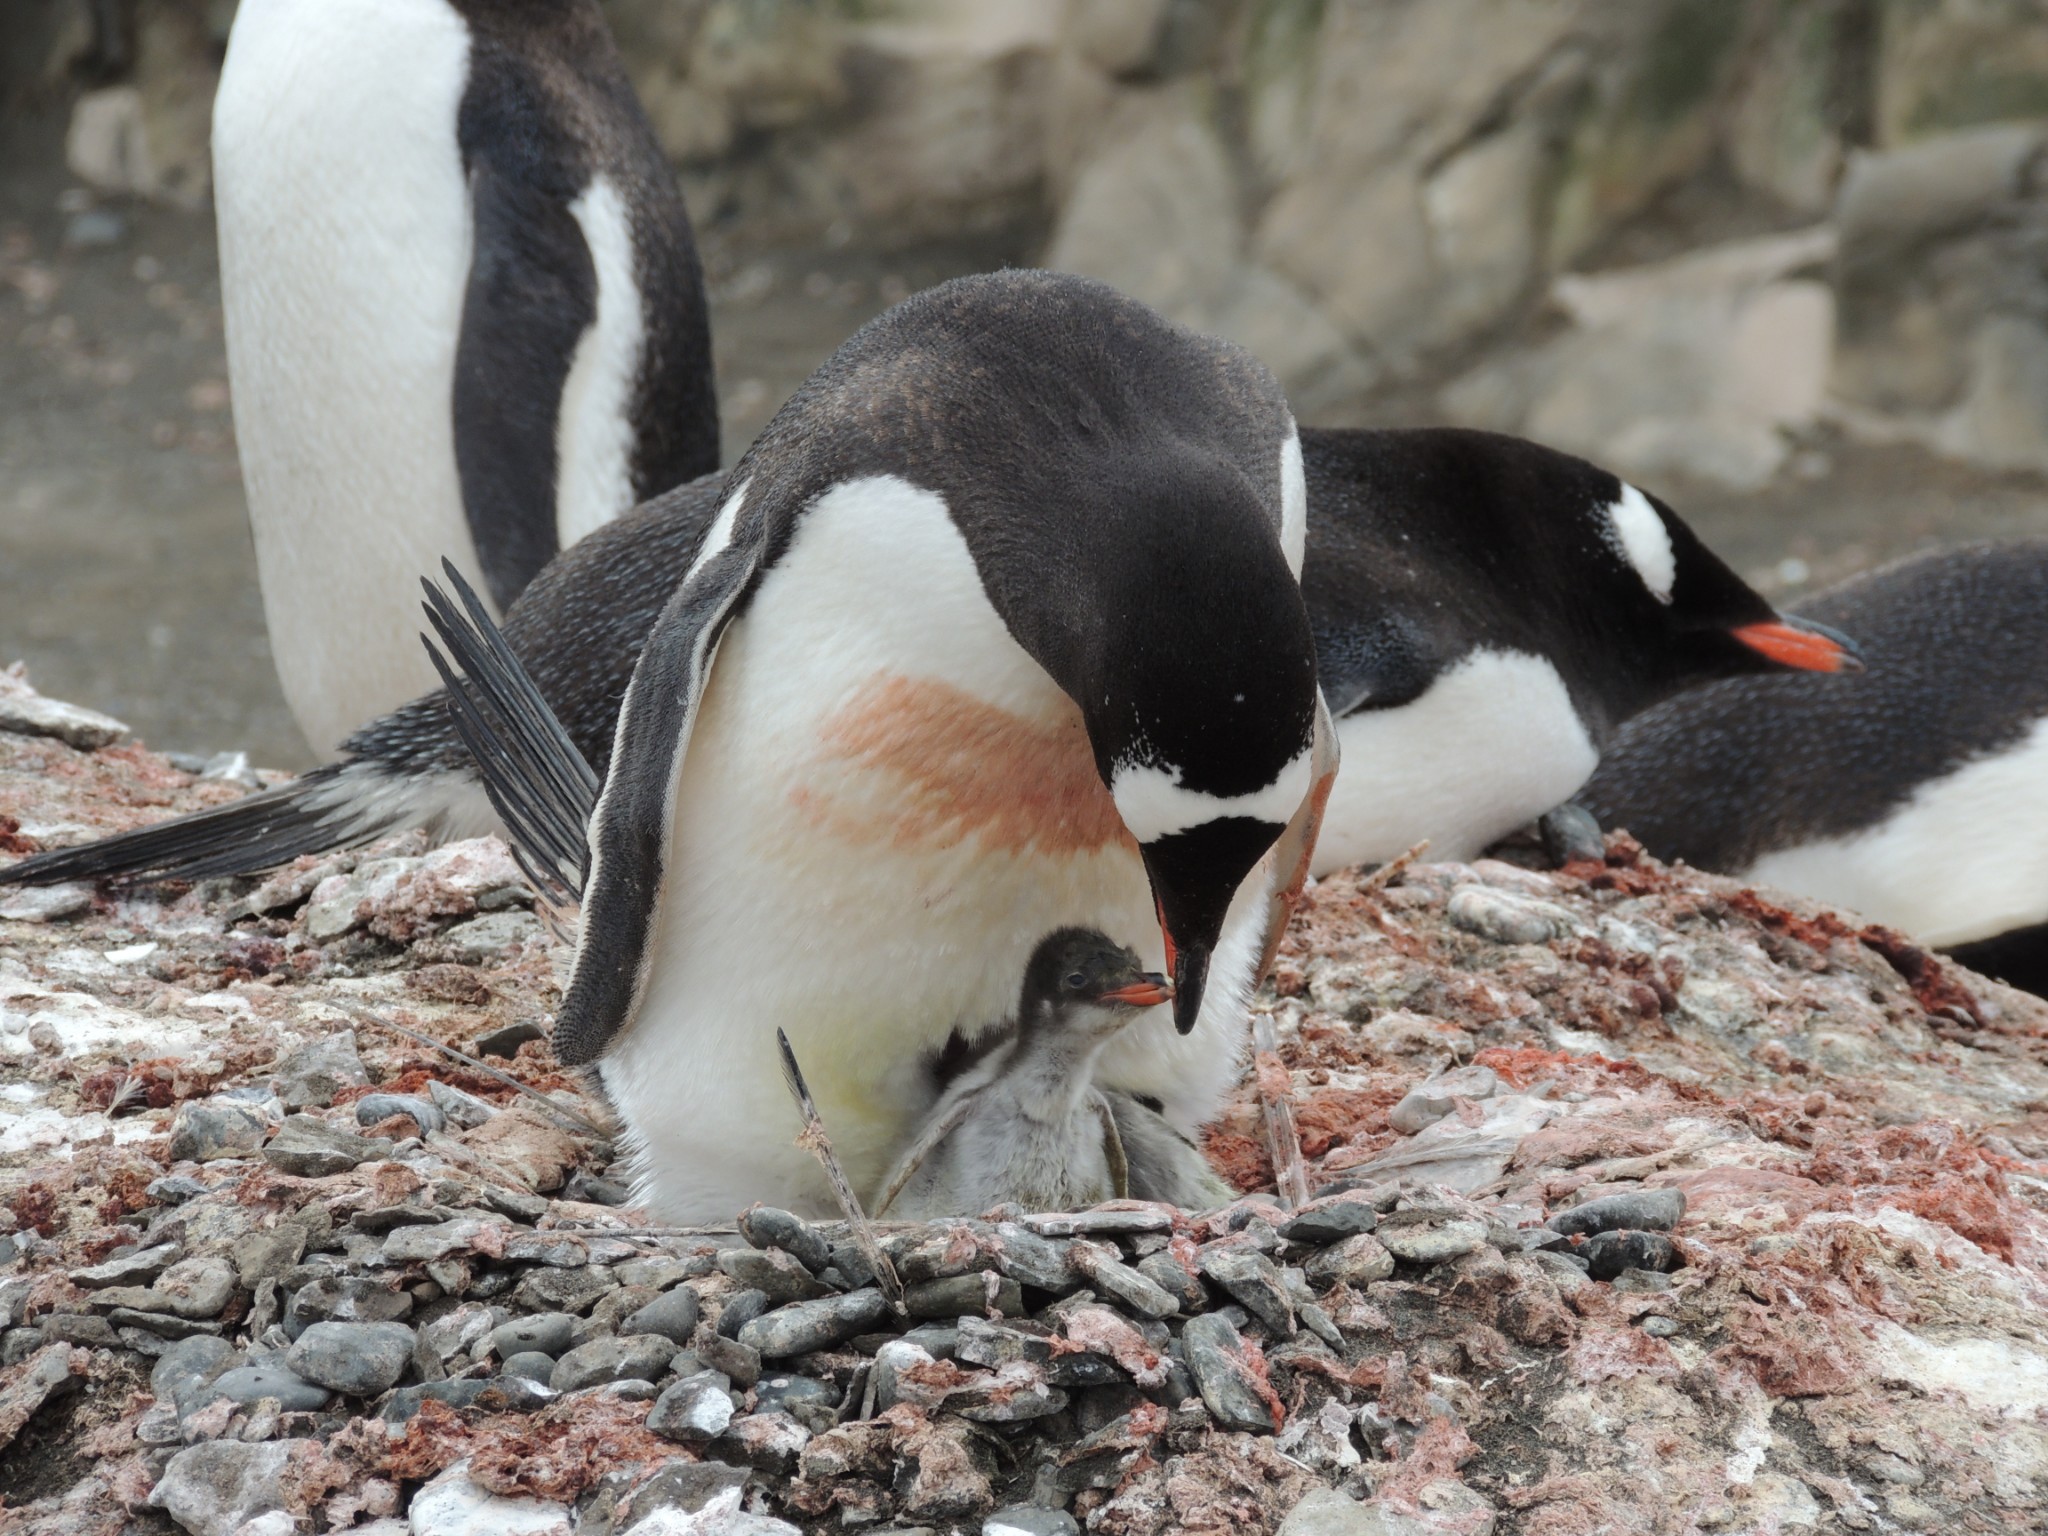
(1081, 968)
(1195, 673)
(1712, 623)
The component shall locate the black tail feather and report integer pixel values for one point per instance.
(536, 778)
(263, 830)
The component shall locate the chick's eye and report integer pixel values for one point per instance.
(1076, 981)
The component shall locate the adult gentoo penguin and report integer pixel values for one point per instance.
(1915, 793)
(1485, 611)
(464, 315)
(998, 631)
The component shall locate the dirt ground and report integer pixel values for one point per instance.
(127, 580)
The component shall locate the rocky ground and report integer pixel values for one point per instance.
(1644, 1202)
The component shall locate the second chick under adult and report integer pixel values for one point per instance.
(1026, 1123)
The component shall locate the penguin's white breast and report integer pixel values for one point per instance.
(1492, 743)
(345, 242)
(1964, 858)
(885, 805)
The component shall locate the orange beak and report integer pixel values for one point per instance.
(1148, 991)
(1801, 645)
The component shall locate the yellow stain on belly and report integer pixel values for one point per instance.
(958, 767)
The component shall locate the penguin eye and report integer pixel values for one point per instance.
(1076, 981)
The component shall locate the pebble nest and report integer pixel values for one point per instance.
(1641, 1202)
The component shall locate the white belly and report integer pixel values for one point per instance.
(1493, 744)
(885, 805)
(1965, 858)
(344, 248)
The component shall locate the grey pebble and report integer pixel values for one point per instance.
(345, 1299)
(766, 1227)
(1030, 1520)
(188, 1362)
(804, 1398)
(729, 1357)
(208, 1129)
(361, 1359)
(309, 1148)
(1505, 918)
(1122, 1283)
(1033, 1260)
(1215, 1356)
(740, 1309)
(682, 1485)
(461, 1392)
(311, 1076)
(1660, 1327)
(805, 1326)
(138, 1268)
(545, 1333)
(375, 1108)
(780, 1276)
(1330, 1220)
(673, 1315)
(1359, 1259)
(506, 1042)
(640, 1357)
(252, 1383)
(464, 1109)
(1607, 1254)
(1432, 1243)
(563, 1290)
(1172, 1277)
(1254, 1280)
(960, 1295)
(1639, 1210)
(529, 1363)
(693, 1411)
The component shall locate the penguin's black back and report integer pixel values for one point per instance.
(1956, 651)
(548, 109)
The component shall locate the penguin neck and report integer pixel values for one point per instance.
(1053, 1068)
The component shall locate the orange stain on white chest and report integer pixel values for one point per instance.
(937, 765)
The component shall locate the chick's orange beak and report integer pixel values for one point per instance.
(1148, 991)
(1802, 645)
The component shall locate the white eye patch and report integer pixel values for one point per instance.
(1639, 533)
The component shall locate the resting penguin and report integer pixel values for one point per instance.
(997, 631)
(1915, 793)
(1026, 1123)
(1485, 613)
(464, 315)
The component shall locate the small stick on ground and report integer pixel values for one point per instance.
(1390, 871)
(570, 1115)
(1283, 1139)
(812, 1139)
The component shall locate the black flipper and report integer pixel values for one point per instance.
(537, 780)
(629, 833)
(532, 292)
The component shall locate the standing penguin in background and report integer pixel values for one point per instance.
(998, 631)
(1915, 794)
(464, 315)
(1487, 613)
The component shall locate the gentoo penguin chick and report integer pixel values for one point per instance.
(997, 631)
(464, 316)
(1915, 793)
(1027, 1123)
(1487, 612)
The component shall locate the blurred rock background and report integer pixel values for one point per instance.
(1780, 260)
